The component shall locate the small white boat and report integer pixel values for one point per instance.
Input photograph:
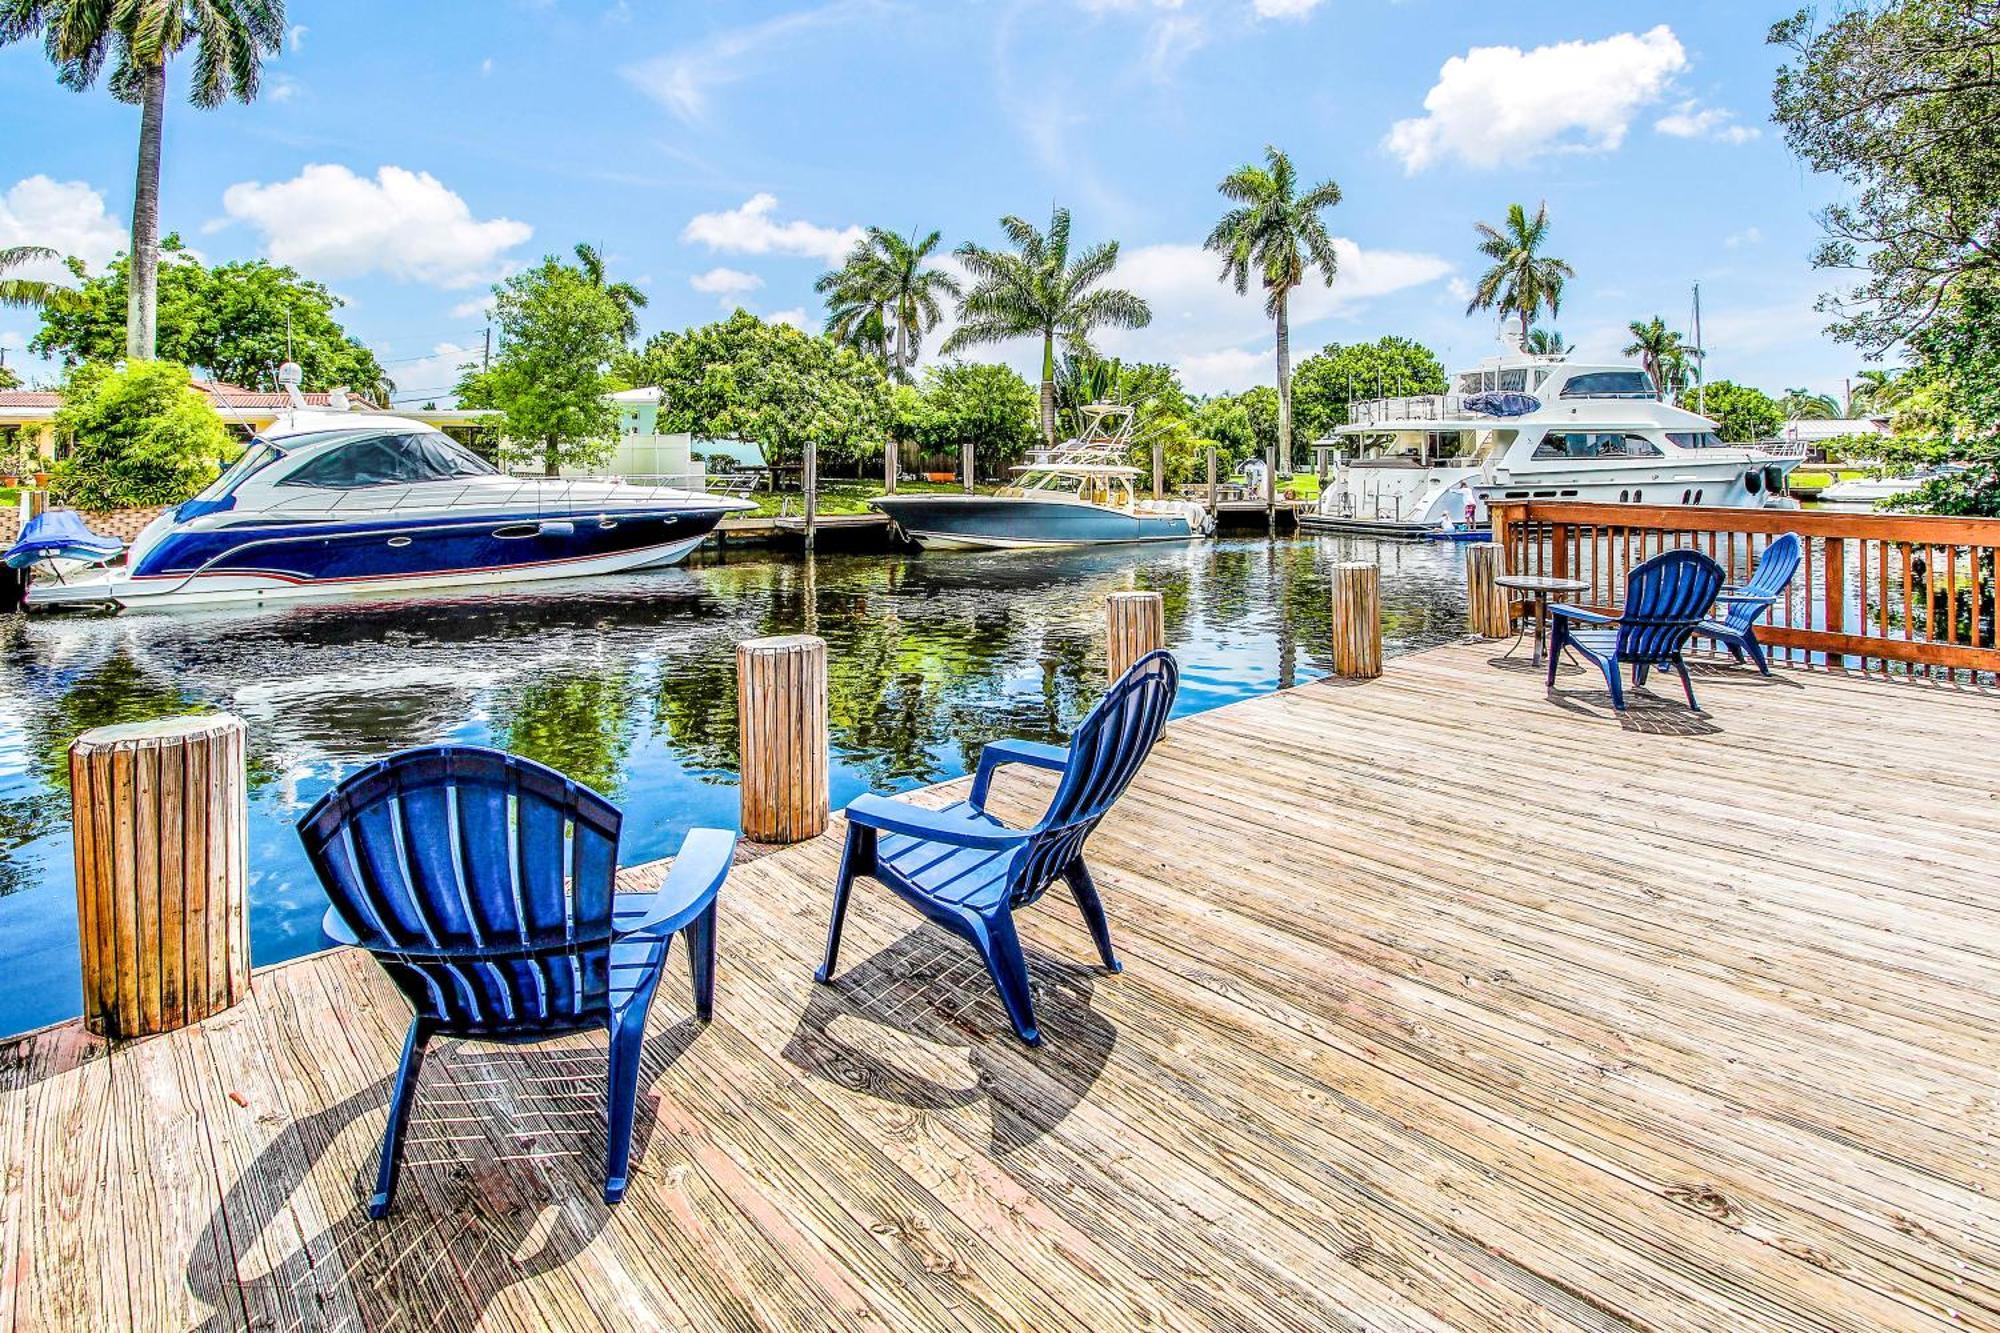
(327, 504)
(1864, 493)
(1081, 493)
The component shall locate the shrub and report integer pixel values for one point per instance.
(138, 436)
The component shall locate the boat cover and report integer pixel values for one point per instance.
(1503, 404)
(59, 534)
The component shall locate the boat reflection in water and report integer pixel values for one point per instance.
(629, 684)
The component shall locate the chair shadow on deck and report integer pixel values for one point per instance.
(931, 988)
(502, 1174)
(1645, 712)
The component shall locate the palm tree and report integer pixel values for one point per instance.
(629, 299)
(1276, 232)
(1037, 289)
(1878, 392)
(1522, 280)
(1546, 342)
(27, 293)
(1805, 405)
(230, 39)
(1660, 350)
(886, 284)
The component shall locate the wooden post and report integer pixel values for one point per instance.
(158, 822)
(1836, 591)
(1214, 507)
(1357, 621)
(1135, 623)
(811, 479)
(892, 464)
(967, 460)
(1487, 612)
(1271, 492)
(1159, 469)
(781, 726)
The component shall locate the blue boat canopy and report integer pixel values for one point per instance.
(1503, 404)
(59, 534)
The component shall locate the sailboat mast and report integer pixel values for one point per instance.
(1700, 360)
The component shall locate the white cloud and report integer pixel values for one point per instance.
(725, 282)
(433, 375)
(334, 224)
(1285, 9)
(280, 88)
(751, 230)
(1748, 236)
(486, 67)
(683, 80)
(295, 36)
(66, 216)
(1495, 106)
(1691, 120)
(796, 317)
(1230, 370)
(479, 307)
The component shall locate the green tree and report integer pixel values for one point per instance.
(641, 368)
(138, 38)
(1900, 101)
(628, 298)
(27, 293)
(886, 296)
(559, 332)
(235, 322)
(137, 436)
(1951, 405)
(1225, 422)
(1335, 376)
(1546, 342)
(1877, 392)
(1660, 350)
(990, 405)
(1275, 232)
(1742, 414)
(746, 379)
(1522, 281)
(1805, 405)
(1038, 290)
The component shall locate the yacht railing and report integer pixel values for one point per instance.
(1424, 407)
(1779, 449)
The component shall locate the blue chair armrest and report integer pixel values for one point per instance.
(1578, 613)
(698, 871)
(1033, 753)
(947, 826)
(1747, 598)
(336, 928)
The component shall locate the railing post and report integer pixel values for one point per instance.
(1559, 550)
(1135, 623)
(158, 820)
(781, 730)
(1487, 613)
(1836, 588)
(1357, 621)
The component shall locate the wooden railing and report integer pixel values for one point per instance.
(1880, 592)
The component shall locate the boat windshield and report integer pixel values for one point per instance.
(389, 458)
(254, 459)
(1702, 439)
(1610, 384)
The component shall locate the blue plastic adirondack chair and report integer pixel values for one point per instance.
(483, 883)
(967, 871)
(1665, 600)
(1736, 629)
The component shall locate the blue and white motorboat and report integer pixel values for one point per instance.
(56, 541)
(328, 504)
(1080, 493)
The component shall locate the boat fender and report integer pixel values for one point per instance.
(558, 527)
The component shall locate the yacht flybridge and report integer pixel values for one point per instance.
(328, 503)
(1526, 427)
(1081, 492)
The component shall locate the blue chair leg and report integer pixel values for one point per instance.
(1000, 946)
(701, 961)
(621, 1094)
(1085, 891)
(1558, 638)
(1639, 672)
(1609, 666)
(401, 1102)
(1687, 682)
(1756, 651)
(856, 858)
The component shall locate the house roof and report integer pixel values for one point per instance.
(29, 398)
(226, 394)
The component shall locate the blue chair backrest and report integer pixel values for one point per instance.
(1772, 576)
(483, 881)
(1665, 598)
(1105, 753)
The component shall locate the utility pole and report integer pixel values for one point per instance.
(486, 356)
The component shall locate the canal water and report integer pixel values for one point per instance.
(628, 684)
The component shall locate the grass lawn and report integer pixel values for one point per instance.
(1821, 478)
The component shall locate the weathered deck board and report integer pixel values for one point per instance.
(1445, 1007)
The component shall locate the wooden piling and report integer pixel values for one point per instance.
(892, 464)
(158, 823)
(1357, 621)
(1135, 623)
(968, 464)
(1159, 469)
(1214, 505)
(811, 478)
(781, 727)
(1488, 613)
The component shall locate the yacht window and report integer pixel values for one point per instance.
(1469, 382)
(253, 459)
(1688, 439)
(1514, 381)
(1596, 444)
(1610, 384)
(388, 460)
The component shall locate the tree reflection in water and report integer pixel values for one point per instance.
(629, 685)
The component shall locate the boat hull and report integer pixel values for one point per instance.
(993, 523)
(284, 562)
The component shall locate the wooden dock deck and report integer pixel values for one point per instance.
(1445, 1006)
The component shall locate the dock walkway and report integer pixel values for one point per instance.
(1445, 1006)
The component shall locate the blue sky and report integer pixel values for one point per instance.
(721, 152)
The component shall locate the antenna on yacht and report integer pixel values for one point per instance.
(1700, 359)
(289, 379)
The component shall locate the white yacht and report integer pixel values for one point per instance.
(1527, 427)
(1870, 493)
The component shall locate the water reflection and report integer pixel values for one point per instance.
(630, 685)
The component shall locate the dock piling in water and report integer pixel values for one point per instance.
(1486, 609)
(1357, 621)
(159, 820)
(781, 694)
(1135, 623)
